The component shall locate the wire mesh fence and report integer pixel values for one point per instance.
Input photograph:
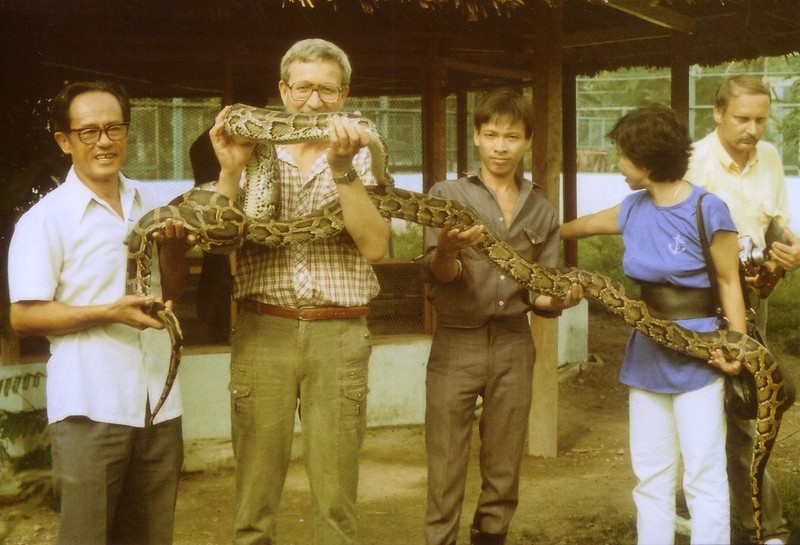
(163, 132)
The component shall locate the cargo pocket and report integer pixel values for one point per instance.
(241, 388)
(354, 408)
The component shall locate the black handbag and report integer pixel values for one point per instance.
(741, 393)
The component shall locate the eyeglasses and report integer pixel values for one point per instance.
(115, 131)
(303, 91)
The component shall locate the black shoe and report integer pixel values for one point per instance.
(482, 538)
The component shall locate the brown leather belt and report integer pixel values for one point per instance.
(674, 303)
(306, 314)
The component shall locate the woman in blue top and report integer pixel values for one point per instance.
(676, 401)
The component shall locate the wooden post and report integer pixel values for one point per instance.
(570, 147)
(679, 75)
(434, 141)
(463, 140)
(547, 148)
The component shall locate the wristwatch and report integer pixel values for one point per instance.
(348, 178)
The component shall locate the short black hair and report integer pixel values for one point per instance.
(504, 103)
(59, 106)
(654, 138)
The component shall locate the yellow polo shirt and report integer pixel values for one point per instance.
(755, 195)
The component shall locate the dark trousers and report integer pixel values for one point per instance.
(116, 484)
(494, 362)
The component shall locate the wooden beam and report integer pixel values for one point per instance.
(656, 14)
(614, 35)
(483, 70)
(547, 147)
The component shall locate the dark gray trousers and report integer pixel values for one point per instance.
(116, 484)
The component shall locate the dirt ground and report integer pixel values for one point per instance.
(580, 497)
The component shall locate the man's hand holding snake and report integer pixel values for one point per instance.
(174, 237)
(445, 263)
(135, 311)
(232, 154)
(551, 303)
(787, 254)
(345, 140)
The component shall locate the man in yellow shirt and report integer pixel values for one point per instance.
(747, 174)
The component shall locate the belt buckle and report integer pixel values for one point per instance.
(302, 316)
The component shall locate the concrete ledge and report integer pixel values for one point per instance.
(396, 383)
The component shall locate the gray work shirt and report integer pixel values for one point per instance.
(483, 291)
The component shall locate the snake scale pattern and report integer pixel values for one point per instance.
(222, 226)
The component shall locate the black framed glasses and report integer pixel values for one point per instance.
(302, 91)
(91, 135)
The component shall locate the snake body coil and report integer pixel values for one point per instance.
(222, 226)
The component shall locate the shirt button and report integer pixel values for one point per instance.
(500, 220)
(502, 277)
(501, 303)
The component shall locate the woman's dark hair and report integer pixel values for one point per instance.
(504, 103)
(59, 106)
(654, 138)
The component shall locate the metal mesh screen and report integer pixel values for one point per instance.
(162, 133)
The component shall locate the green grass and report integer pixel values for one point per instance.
(789, 488)
(783, 317)
(607, 529)
(603, 254)
(407, 241)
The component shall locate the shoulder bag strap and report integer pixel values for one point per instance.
(712, 271)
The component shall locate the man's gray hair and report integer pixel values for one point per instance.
(316, 49)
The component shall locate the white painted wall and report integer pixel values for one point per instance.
(396, 383)
(601, 191)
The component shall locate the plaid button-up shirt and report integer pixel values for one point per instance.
(327, 272)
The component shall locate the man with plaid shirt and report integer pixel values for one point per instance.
(301, 336)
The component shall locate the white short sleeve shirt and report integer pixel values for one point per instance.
(69, 247)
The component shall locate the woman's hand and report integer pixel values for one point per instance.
(725, 364)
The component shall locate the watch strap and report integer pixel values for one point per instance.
(348, 178)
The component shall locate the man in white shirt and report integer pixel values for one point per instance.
(747, 174)
(116, 475)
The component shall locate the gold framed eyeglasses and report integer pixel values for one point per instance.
(91, 135)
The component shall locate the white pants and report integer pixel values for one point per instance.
(663, 428)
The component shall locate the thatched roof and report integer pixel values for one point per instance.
(190, 47)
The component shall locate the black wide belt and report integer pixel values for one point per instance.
(675, 303)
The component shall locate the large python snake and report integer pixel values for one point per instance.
(222, 226)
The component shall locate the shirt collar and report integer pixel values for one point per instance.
(727, 161)
(78, 196)
(522, 183)
(320, 163)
